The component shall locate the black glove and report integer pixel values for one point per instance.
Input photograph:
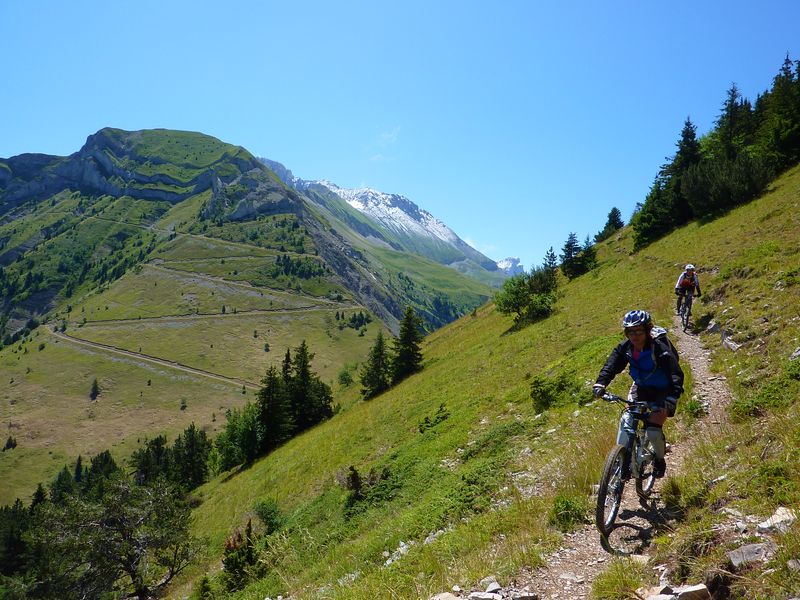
(677, 292)
(598, 389)
(670, 404)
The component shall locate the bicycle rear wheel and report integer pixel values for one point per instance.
(609, 495)
(646, 480)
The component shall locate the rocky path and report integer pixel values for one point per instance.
(570, 570)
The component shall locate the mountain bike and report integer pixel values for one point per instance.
(623, 462)
(686, 310)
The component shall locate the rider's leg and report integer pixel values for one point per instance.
(678, 304)
(656, 436)
(625, 433)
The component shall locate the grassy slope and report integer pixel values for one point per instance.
(479, 368)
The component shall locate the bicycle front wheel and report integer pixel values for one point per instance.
(646, 480)
(609, 495)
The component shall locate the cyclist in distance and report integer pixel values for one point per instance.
(687, 283)
(657, 380)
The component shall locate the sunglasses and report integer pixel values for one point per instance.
(634, 332)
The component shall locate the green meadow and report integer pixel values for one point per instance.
(233, 345)
(487, 474)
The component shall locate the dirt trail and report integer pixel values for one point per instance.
(572, 568)
(153, 360)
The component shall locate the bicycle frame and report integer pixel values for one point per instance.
(637, 455)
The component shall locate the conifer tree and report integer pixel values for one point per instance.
(95, 391)
(189, 456)
(407, 358)
(78, 476)
(274, 411)
(62, 486)
(310, 398)
(375, 374)
(613, 223)
(570, 265)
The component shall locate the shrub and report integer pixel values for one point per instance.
(567, 512)
(428, 422)
(269, 514)
(547, 391)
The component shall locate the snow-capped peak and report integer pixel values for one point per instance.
(394, 212)
(510, 265)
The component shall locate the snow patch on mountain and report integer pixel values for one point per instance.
(394, 212)
(510, 265)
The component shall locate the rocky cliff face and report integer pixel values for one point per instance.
(97, 168)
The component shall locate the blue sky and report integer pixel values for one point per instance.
(514, 122)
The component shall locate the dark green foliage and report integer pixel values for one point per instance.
(345, 377)
(14, 522)
(132, 536)
(530, 297)
(10, 444)
(274, 411)
(303, 267)
(613, 223)
(548, 391)
(189, 458)
(441, 414)
(576, 259)
(240, 443)
(376, 372)
(731, 165)
(269, 514)
(717, 185)
(311, 399)
(289, 402)
(407, 358)
(568, 511)
(356, 320)
(94, 392)
(380, 486)
(203, 589)
(62, 486)
(239, 557)
(152, 460)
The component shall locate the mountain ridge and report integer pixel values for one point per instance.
(217, 187)
(401, 223)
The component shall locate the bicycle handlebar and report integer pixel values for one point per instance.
(634, 406)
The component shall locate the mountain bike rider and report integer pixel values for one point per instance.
(687, 283)
(657, 380)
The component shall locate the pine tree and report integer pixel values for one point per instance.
(407, 358)
(613, 223)
(286, 367)
(570, 265)
(274, 411)
(78, 476)
(588, 256)
(549, 267)
(310, 398)
(375, 373)
(95, 391)
(62, 486)
(189, 456)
